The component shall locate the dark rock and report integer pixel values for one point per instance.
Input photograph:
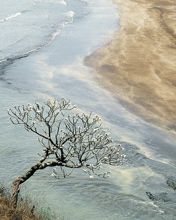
(171, 182)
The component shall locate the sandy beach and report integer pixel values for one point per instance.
(139, 65)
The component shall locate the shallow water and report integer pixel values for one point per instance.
(42, 48)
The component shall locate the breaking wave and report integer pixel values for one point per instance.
(34, 33)
(11, 17)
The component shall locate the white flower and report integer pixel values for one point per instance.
(91, 176)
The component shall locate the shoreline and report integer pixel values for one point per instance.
(138, 66)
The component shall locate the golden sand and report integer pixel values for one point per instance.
(139, 65)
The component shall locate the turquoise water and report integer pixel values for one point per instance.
(42, 49)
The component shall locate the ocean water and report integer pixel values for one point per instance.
(43, 44)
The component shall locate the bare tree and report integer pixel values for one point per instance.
(70, 139)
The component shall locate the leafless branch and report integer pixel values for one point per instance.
(69, 139)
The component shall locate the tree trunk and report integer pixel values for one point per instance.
(16, 184)
(15, 192)
(21, 179)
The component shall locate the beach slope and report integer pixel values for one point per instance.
(139, 65)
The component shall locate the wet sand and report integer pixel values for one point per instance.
(139, 65)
